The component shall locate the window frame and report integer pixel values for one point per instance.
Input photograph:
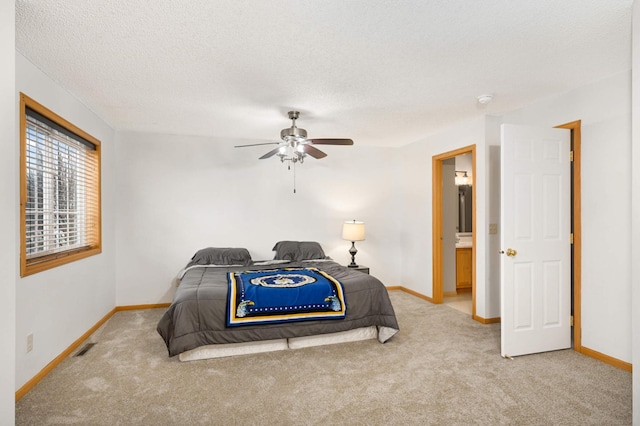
(94, 247)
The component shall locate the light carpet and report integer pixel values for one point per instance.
(442, 368)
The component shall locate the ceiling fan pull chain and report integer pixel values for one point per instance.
(294, 178)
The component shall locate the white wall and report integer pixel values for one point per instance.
(604, 108)
(178, 194)
(635, 213)
(61, 304)
(492, 272)
(8, 212)
(416, 216)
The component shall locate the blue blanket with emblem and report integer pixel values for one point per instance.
(283, 295)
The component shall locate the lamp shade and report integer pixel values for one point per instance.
(353, 231)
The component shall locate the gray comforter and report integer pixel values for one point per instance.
(197, 315)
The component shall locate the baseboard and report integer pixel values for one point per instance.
(626, 366)
(139, 307)
(486, 320)
(411, 292)
(75, 345)
(57, 360)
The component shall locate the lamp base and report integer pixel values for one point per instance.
(352, 252)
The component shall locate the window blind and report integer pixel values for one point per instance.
(62, 183)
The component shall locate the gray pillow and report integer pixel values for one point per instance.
(298, 250)
(221, 256)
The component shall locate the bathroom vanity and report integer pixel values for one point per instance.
(464, 256)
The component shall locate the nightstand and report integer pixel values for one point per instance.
(361, 268)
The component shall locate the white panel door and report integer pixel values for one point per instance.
(535, 265)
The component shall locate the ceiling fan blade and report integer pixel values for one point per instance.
(270, 154)
(257, 144)
(312, 151)
(331, 141)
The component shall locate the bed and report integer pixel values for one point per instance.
(197, 324)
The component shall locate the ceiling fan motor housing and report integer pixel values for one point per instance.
(294, 131)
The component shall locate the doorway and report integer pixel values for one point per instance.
(576, 227)
(439, 231)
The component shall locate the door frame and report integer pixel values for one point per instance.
(576, 230)
(437, 291)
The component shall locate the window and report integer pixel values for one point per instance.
(59, 190)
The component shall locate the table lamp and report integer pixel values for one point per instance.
(353, 231)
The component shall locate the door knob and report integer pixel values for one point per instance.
(511, 252)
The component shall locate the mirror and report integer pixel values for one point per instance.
(465, 202)
(464, 185)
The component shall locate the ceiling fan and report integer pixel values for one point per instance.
(295, 146)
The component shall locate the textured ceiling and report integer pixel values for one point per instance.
(381, 72)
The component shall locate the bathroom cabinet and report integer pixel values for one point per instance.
(463, 268)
